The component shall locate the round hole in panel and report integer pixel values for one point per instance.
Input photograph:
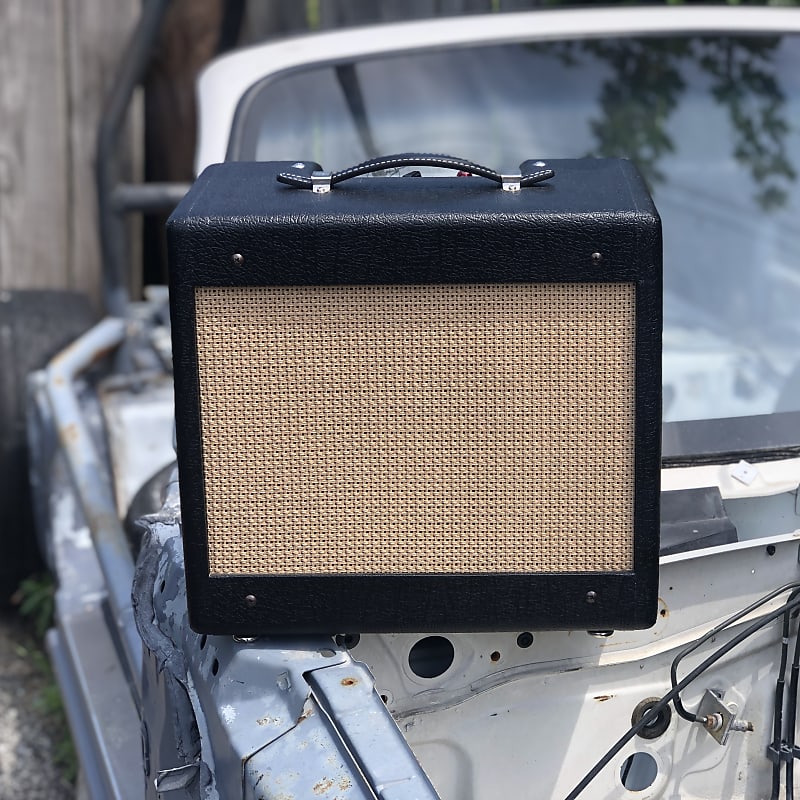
(348, 640)
(431, 657)
(525, 639)
(638, 772)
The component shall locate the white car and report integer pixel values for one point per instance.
(707, 102)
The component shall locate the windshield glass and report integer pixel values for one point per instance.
(712, 122)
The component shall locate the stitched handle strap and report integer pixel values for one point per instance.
(323, 182)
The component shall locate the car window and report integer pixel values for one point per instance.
(712, 122)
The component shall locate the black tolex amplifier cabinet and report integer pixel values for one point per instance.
(418, 404)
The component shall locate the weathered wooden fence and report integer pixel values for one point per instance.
(57, 58)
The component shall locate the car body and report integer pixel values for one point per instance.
(458, 715)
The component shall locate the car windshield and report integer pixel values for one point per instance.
(713, 124)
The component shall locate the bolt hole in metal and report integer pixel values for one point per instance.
(215, 667)
(525, 639)
(495, 656)
(431, 657)
(348, 640)
(770, 549)
(638, 772)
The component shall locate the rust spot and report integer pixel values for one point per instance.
(103, 353)
(601, 698)
(307, 712)
(663, 611)
(349, 681)
(495, 656)
(323, 786)
(345, 784)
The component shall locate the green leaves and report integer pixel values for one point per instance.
(35, 600)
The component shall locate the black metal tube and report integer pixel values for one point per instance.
(791, 718)
(113, 245)
(777, 719)
(688, 715)
(148, 198)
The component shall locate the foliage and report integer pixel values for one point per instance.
(744, 83)
(35, 600)
(645, 87)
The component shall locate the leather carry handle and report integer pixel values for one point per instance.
(321, 182)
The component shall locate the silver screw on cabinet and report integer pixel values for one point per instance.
(237, 259)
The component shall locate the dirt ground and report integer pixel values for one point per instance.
(30, 738)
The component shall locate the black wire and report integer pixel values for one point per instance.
(777, 716)
(681, 685)
(688, 715)
(791, 714)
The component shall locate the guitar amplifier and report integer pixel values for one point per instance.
(418, 404)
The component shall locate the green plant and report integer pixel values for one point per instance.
(35, 601)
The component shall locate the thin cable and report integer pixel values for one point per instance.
(688, 715)
(679, 687)
(777, 716)
(791, 714)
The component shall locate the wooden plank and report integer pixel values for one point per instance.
(96, 35)
(57, 59)
(33, 158)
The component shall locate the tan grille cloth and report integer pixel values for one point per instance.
(418, 429)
